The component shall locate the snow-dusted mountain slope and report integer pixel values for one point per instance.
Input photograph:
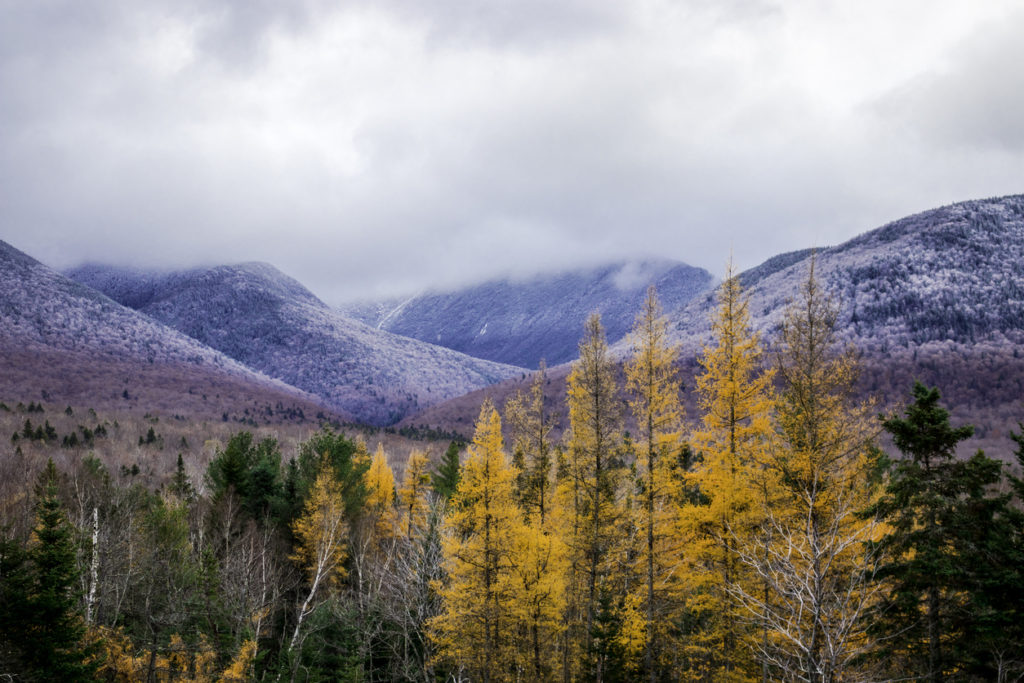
(522, 321)
(63, 339)
(937, 296)
(949, 275)
(268, 321)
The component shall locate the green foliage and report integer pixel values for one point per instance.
(251, 471)
(181, 485)
(446, 478)
(948, 564)
(331, 652)
(39, 618)
(346, 456)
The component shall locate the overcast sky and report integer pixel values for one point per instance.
(376, 148)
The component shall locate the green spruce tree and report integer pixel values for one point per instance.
(943, 522)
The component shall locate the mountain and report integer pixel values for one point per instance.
(937, 296)
(266, 320)
(64, 342)
(522, 321)
(949, 275)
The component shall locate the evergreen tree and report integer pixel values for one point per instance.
(52, 635)
(181, 485)
(446, 479)
(950, 547)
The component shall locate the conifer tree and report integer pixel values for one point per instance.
(592, 483)
(413, 494)
(735, 395)
(950, 550)
(653, 382)
(380, 496)
(446, 479)
(474, 632)
(51, 637)
(531, 426)
(321, 533)
(813, 556)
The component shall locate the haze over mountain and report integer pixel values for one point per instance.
(937, 296)
(260, 317)
(62, 341)
(523, 321)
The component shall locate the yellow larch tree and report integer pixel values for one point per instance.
(413, 494)
(816, 561)
(474, 632)
(380, 496)
(542, 559)
(654, 386)
(321, 533)
(538, 588)
(736, 398)
(531, 424)
(592, 486)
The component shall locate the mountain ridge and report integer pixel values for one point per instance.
(267, 320)
(936, 296)
(62, 340)
(523, 320)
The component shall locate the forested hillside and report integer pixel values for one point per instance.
(266, 320)
(524, 321)
(770, 538)
(62, 341)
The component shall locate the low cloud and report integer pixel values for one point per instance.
(374, 149)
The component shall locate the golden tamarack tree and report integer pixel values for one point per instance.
(321, 534)
(813, 558)
(652, 382)
(734, 439)
(474, 631)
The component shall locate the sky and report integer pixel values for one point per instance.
(374, 149)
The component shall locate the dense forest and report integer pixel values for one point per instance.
(767, 537)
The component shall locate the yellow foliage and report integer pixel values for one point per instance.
(321, 531)
(653, 383)
(120, 662)
(537, 585)
(735, 441)
(413, 494)
(478, 545)
(240, 668)
(591, 486)
(380, 495)
(116, 654)
(531, 426)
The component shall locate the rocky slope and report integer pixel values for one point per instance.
(268, 321)
(522, 321)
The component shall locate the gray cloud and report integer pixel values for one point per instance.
(380, 148)
(975, 98)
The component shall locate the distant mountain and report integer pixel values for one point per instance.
(266, 320)
(62, 341)
(949, 275)
(522, 321)
(937, 296)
